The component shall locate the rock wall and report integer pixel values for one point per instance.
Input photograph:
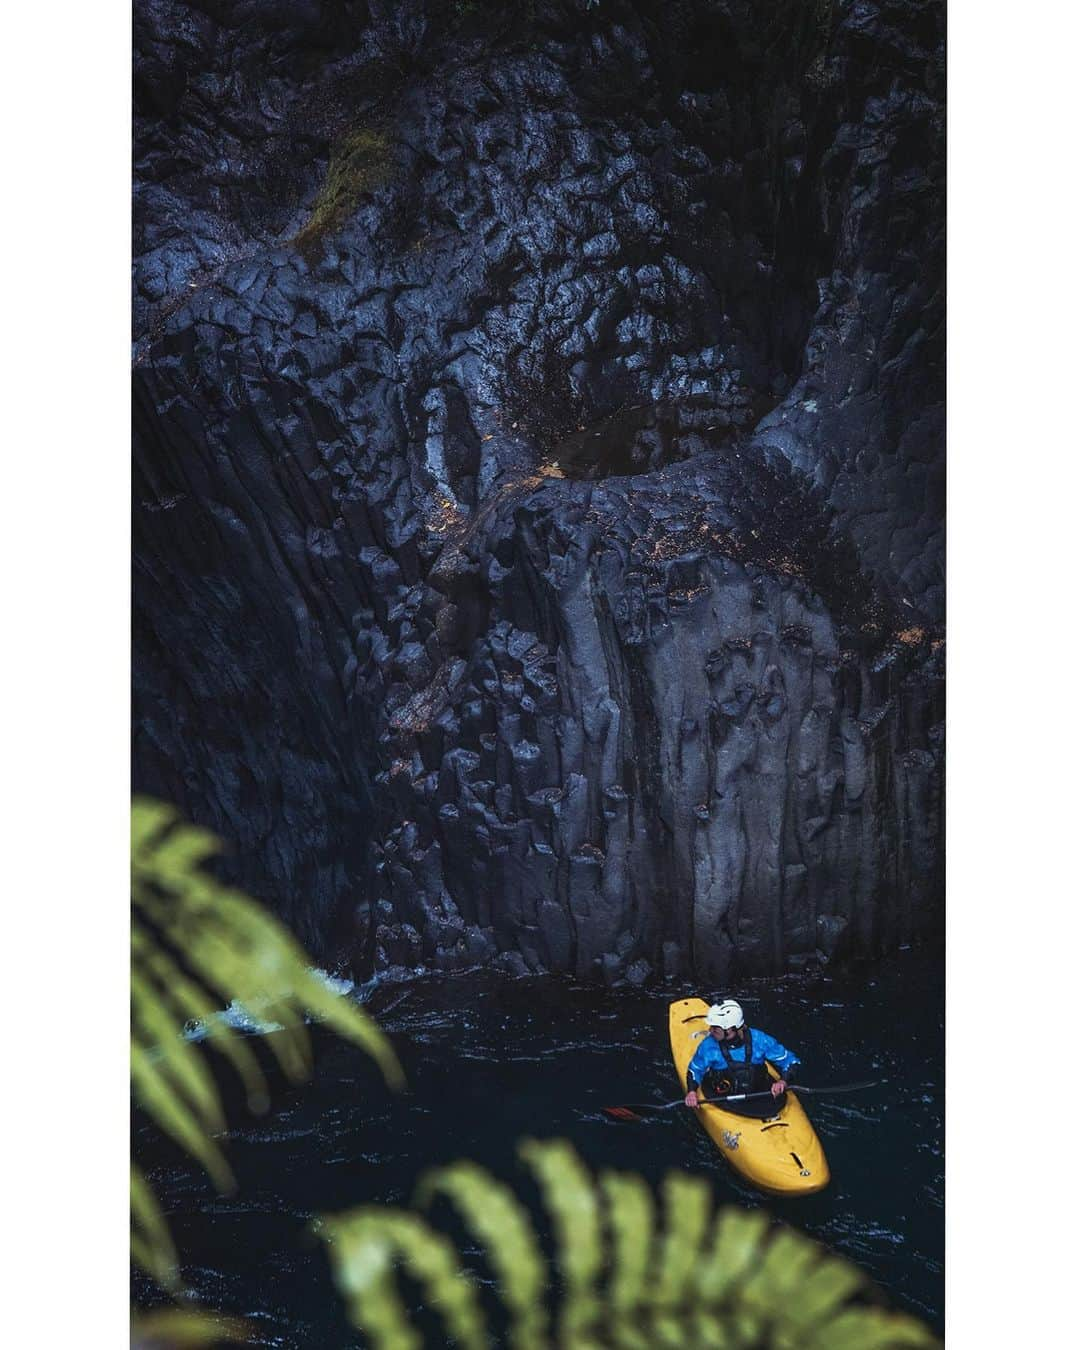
(538, 472)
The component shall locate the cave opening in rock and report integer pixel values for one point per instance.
(697, 282)
(643, 437)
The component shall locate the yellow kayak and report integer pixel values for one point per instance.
(781, 1155)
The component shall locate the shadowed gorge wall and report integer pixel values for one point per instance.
(539, 472)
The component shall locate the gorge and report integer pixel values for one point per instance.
(539, 474)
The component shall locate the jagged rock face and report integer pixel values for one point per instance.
(538, 473)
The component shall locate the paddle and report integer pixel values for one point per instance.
(629, 1113)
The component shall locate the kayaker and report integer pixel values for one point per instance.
(731, 1058)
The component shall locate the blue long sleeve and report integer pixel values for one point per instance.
(701, 1061)
(708, 1055)
(771, 1049)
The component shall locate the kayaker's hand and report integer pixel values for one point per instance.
(778, 1087)
(691, 1099)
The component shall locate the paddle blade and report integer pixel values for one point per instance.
(840, 1087)
(620, 1113)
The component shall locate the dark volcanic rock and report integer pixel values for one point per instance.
(538, 472)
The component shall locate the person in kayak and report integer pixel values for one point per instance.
(731, 1058)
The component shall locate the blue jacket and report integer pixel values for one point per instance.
(708, 1055)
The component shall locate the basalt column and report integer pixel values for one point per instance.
(538, 473)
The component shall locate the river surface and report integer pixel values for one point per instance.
(491, 1061)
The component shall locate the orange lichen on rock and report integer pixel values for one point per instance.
(445, 515)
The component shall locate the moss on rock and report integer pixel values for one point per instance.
(359, 163)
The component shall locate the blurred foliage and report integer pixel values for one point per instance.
(730, 1280)
(198, 946)
(184, 1328)
(151, 1242)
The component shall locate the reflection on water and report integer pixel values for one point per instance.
(491, 1061)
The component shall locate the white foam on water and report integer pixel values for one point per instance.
(247, 1019)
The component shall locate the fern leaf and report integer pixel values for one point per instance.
(171, 1058)
(151, 1242)
(283, 954)
(175, 1118)
(710, 1330)
(149, 819)
(235, 949)
(499, 1222)
(631, 1219)
(185, 1329)
(571, 1200)
(363, 1247)
(687, 1210)
(190, 1003)
(734, 1284)
(177, 854)
(247, 972)
(871, 1329)
(363, 1266)
(737, 1238)
(828, 1286)
(785, 1261)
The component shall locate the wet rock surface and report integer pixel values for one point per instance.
(538, 473)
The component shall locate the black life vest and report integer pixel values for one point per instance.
(745, 1076)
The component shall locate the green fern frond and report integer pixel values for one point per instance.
(175, 1117)
(171, 1056)
(363, 1248)
(501, 1224)
(827, 1288)
(231, 950)
(197, 946)
(731, 1281)
(190, 1002)
(687, 1213)
(185, 1329)
(870, 1329)
(151, 1242)
(573, 1203)
(738, 1237)
(233, 944)
(631, 1221)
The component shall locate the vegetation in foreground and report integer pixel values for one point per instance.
(624, 1273)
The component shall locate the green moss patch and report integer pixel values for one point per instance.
(359, 163)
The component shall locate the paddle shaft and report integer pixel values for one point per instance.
(796, 1087)
(747, 1096)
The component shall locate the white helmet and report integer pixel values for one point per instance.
(727, 1015)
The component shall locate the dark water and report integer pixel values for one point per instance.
(492, 1061)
